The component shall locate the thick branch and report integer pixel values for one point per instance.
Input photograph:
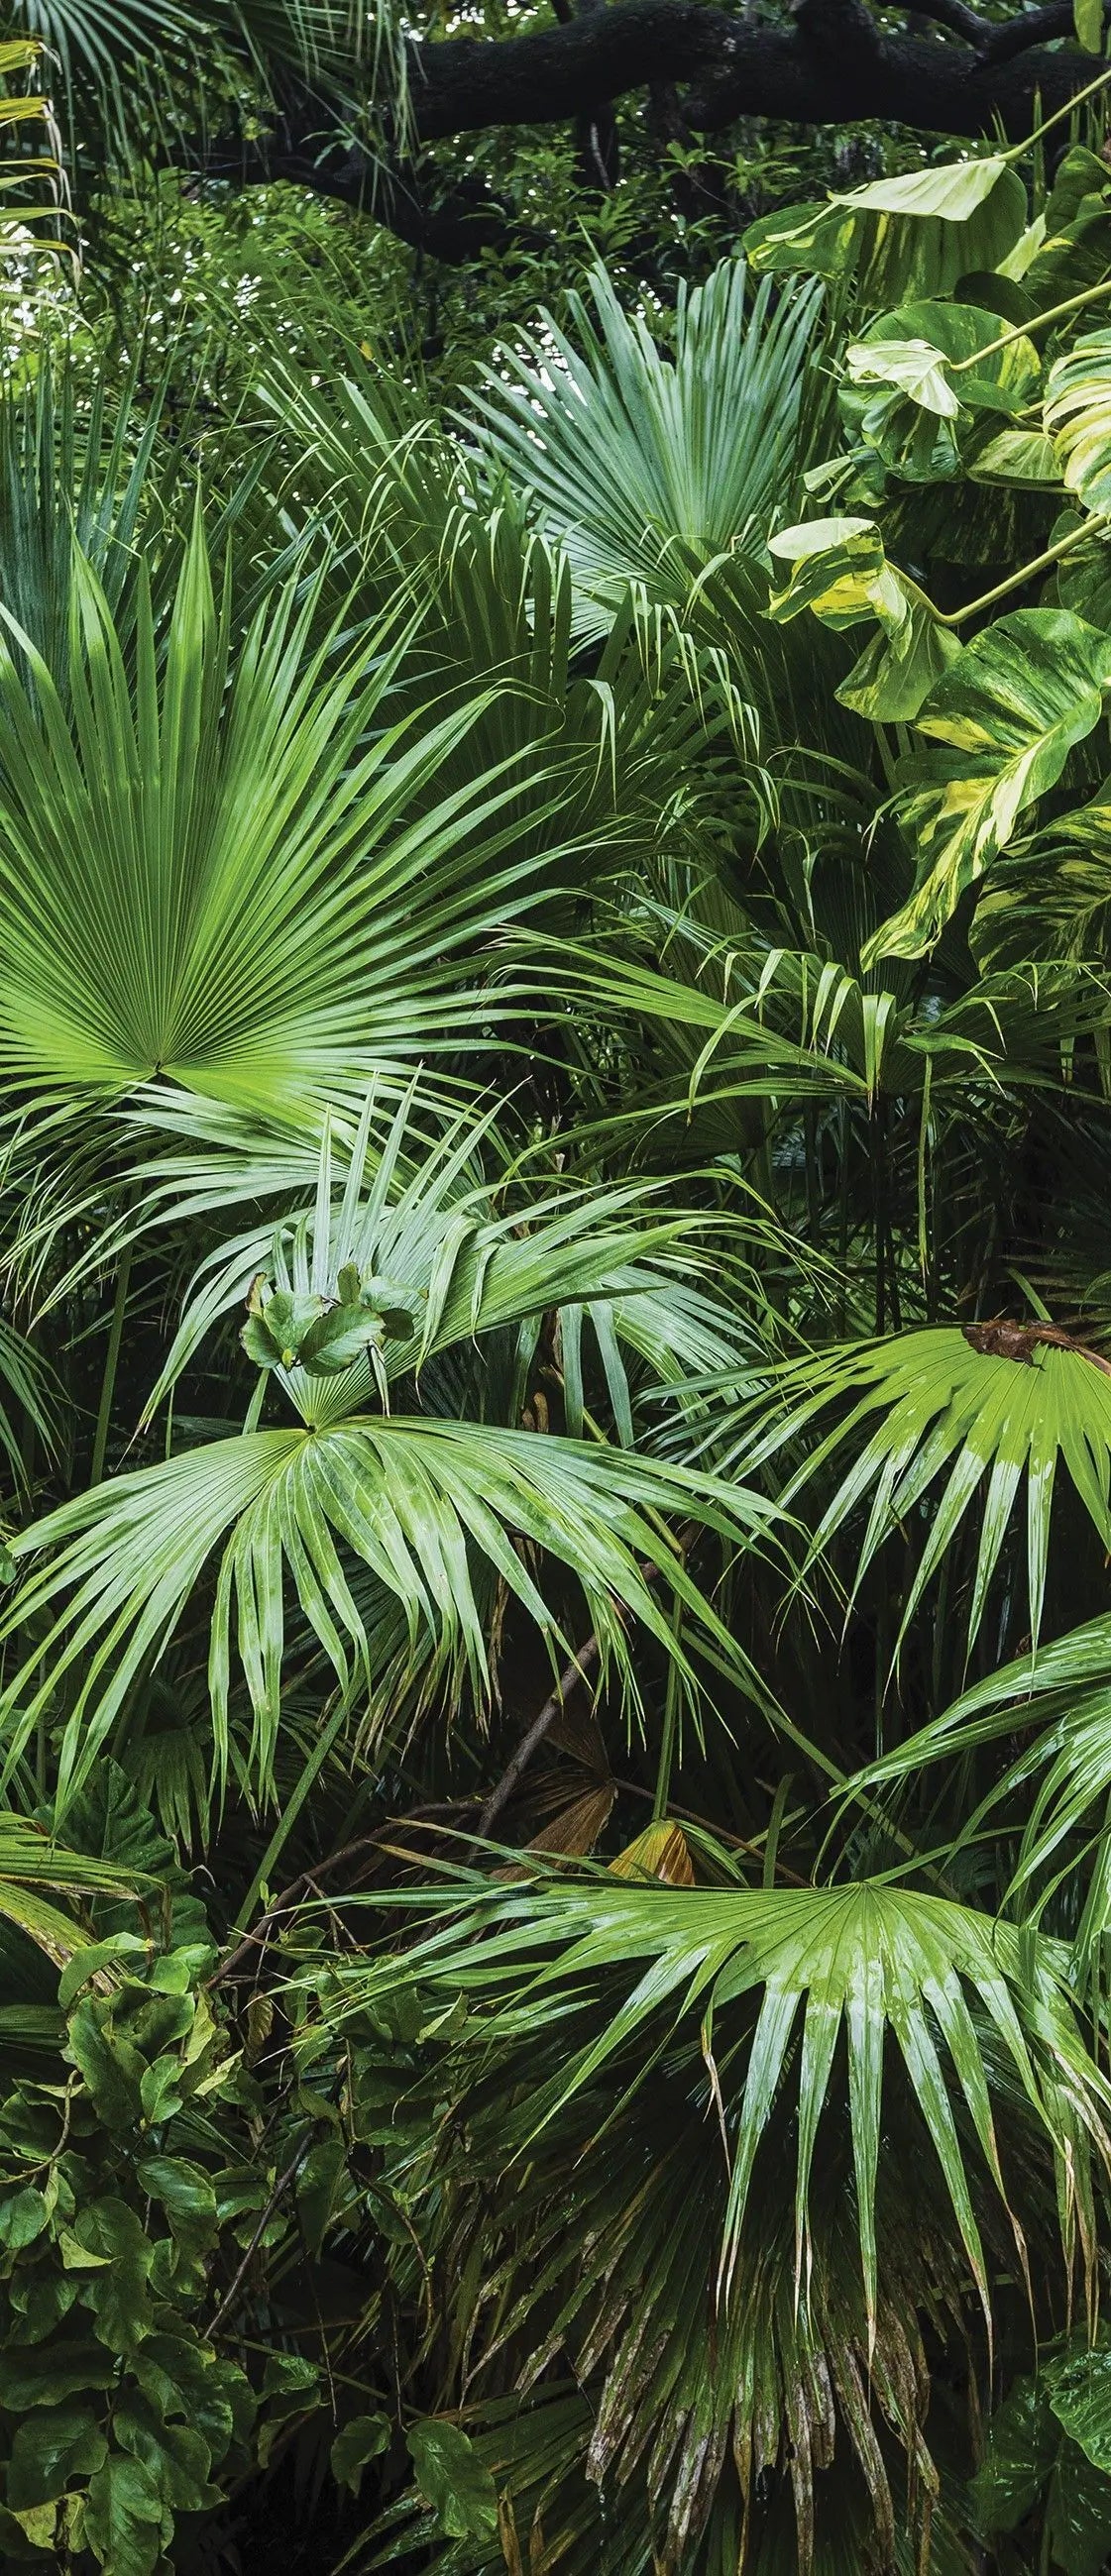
(831, 65)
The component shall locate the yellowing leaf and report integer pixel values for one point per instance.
(661, 1851)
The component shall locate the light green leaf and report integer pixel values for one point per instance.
(1087, 18)
(914, 235)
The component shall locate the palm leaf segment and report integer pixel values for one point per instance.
(859, 1966)
(1061, 1775)
(31, 1862)
(993, 1421)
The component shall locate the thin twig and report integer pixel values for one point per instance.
(581, 1665)
(280, 2188)
(255, 1939)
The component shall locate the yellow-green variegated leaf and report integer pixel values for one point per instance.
(838, 568)
(1003, 718)
(840, 571)
(1078, 418)
(914, 235)
(898, 669)
(1016, 456)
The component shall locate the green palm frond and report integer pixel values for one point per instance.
(874, 1963)
(647, 468)
(1059, 1780)
(30, 1861)
(233, 876)
(991, 1407)
(695, 2084)
(406, 1198)
(419, 1502)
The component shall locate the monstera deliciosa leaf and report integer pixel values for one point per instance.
(1005, 716)
(906, 237)
(918, 379)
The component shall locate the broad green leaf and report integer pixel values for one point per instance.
(909, 236)
(51, 2374)
(1080, 2395)
(1016, 456)
(362, 2439)
(126, 2523)
(1078, 418)
(175, 2457)
(1087, 19)
(453, 2480)
(23, 2216)
(1019, 2454)
(1005, 714)
(184, 2191)
(50, 2446)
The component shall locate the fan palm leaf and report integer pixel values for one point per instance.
(236, 879)
(416, 1501)
(695, 2084)
(992, 1407)
(873, 1963)
(1059, 1779)
(647, 468)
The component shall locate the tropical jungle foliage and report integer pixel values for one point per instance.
(555, 1376)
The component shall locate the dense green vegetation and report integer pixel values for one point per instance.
(555, 1358)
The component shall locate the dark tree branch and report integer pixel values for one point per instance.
(831, 65)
